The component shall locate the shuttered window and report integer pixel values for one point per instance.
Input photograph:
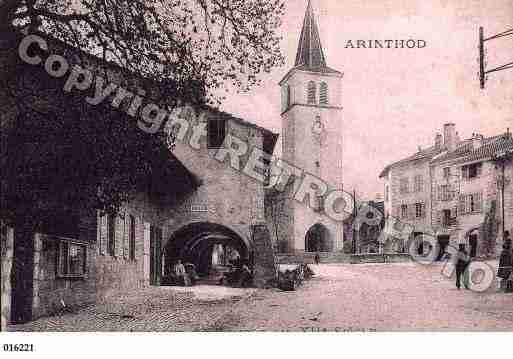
(403, 185)
(131, 238)
(471, 203)
(311, 92)
(404, 211)
(216, 133)
(323, 97)
(111, 235)
(418, 183)
(474, 170)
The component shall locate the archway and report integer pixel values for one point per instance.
(318, 239)
(195, 243)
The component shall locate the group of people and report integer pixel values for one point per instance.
(183, 276)
(504, 272)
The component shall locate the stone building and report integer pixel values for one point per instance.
(460, 199)
(204, 193)
(407, 191)
(312, 126)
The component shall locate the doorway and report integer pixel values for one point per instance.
(443, 243)
(318, 239)
(472, 242)
(155, 255)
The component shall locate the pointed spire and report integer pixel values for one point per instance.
(309, 51)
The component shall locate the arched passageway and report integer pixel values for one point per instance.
(195, 243)
(318, 239)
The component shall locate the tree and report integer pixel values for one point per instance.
(207, 42)
(194, 47)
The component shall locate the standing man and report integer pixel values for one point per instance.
(506, 260)
(461, 262)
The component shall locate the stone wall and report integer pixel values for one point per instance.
(53, 294)
(411, 197)
(227, 196)
(485, 184)
(7, 248)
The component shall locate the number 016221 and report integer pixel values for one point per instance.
(18, 347)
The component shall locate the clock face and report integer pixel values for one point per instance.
(317, 127)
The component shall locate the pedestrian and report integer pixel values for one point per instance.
(181, 274)
(506, 260)
(317, 258)
(462, 261)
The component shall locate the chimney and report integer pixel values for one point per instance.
(508, 133)
(450, 136)
(477, 140)
(438, 141)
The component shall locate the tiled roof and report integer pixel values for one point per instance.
(309, 50)
(491, 147)
(427, 153)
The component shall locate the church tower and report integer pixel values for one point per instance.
(311, 114)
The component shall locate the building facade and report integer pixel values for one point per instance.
(450, 192)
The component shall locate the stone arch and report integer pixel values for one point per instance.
(318, 239)
(194, 243)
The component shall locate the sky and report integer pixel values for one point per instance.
(396, 100)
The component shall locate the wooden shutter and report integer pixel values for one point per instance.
(478, 199)
(454, 212)
(479, 169)
(118, 236)
(103, 223)
(139, 237)
(462, 204)
(126, 236)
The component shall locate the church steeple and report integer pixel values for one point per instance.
(309, 51)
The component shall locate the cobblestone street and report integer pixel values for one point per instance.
(369, 297)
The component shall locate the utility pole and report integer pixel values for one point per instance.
(355, 214)
(482, 55)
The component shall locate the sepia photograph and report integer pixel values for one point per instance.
(307, 167)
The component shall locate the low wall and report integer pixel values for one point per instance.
(309, 258)
(380, 258)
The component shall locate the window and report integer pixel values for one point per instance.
(318, 204)
(111, 234)
(471, 203)
(445, 193)
(404, 211)
(403, 185)
(323, 97)
(418, 184)
(449, 217)
(471, 171)
(131, 238)
(287, 96)
(447, 172)
(311, 92)
(420, 210)
(387, 193)
(216, 133)
(71, 260)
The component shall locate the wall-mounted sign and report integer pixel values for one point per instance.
(199, 208)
